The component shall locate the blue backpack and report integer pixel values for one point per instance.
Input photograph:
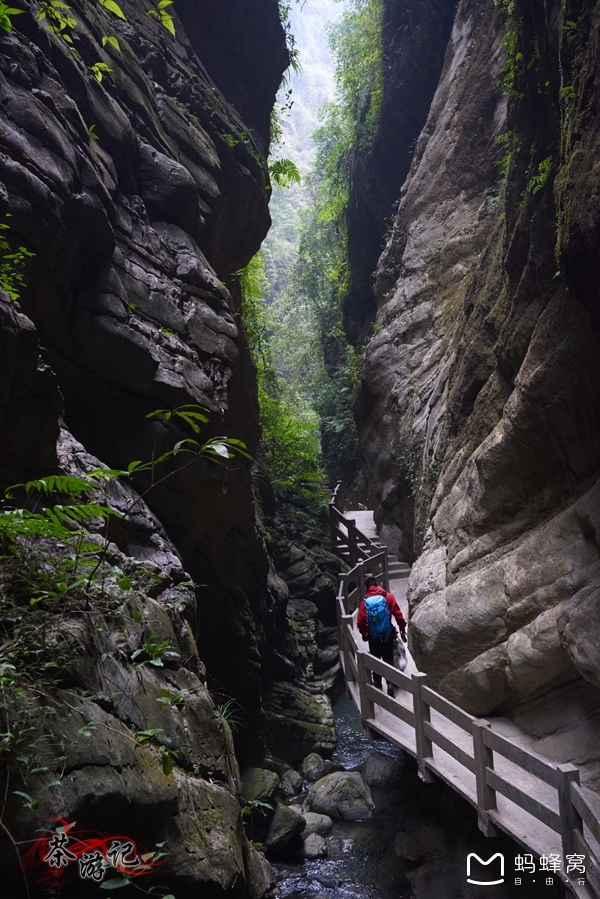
(378, 615)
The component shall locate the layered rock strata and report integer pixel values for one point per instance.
(478, 405)
(140, 187)
(411, 32)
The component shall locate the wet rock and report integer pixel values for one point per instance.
(316, 823)
(259, 785)
(314, 766)
(291, 782)
(314, 846)
(298, 721)
(380, 770)
(285, 824)
(343, 794)
(30, 400)
(260, 877)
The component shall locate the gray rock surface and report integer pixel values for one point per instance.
(259, 784)
(315, 823)
(285, 824)
(478, 403)
(314, 766)
(314, 846)
(343, 794)
(134, 236)
(380, 770)
(291, 782)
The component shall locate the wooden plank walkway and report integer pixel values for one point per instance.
(535, 801)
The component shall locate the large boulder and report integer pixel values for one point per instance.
(259, 785)
(315, 766)
(380, 770)
(314, 846)
(285, 824)
(291, 782)
(343, 794)
(315, 823)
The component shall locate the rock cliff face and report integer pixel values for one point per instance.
(478, 405)
(140, 188)
(412, 31)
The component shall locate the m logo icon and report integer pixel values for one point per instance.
(492, 873)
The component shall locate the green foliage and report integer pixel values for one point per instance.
(356, 44)
(112, 41)
(6, 15)
(307, 345)
(284, 172)
(155, 652)
(290, 428)
(285, 7)
(99, 69)
(58, 20)
(510, 147)
(540, 180)
(568, 92)
(170, 699)
(161, 14)
(12, 263)
(52, 566)
(230, 712)
(514, 66)
(114, 8)
(156, 737)
(256, 805)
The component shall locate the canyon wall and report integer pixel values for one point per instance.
(137, 189)
(479, 395)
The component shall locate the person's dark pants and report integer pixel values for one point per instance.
(384, 650)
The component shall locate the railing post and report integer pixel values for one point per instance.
(570, 818)
(352, 547)
(484, 758)
(422, 714)
(333, 527)
(346, 623)
(367, 706)
(386, 573)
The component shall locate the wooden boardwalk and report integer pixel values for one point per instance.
(535, 801)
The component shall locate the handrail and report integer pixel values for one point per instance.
(345, 498)
(346, 539)
(453, 742)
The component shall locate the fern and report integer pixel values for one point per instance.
(284, 172)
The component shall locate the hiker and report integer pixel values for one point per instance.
(375, 624)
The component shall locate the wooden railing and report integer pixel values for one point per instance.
(346, 539)
(538, 803)
(344, 498)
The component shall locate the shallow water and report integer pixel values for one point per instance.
(362, 863)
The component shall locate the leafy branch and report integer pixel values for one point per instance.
(161, 15)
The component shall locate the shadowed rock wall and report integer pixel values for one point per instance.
(134, 234)
(139, 195)
(478, 405)
(414, 37)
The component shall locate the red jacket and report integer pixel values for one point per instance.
(362, 622)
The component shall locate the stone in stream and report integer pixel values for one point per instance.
(315, 766)
(380, 770)
(285, 824)
(259, 784)
(314, 846)
(316, 823)
(291, 782)
(343, 794)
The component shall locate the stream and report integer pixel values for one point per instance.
(361, 861)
